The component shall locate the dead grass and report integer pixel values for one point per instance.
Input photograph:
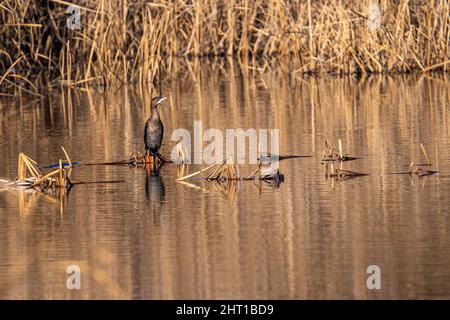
(135, 41)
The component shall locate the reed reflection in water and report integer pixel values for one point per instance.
(153, 238)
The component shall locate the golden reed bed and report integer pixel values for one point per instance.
(134, 41)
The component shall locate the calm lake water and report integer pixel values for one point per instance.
(151, 237)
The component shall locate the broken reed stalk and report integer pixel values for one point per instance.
(425, 154)
(48, 175)
(67, 157)
(216, 170)
(24, 163)
(231, 170)
(126, 41)
(57, 178)
(21, 169)
(61, 179)
(418, 168)
(331, 155)
(198, 172)
(228, 171)
(31, 167)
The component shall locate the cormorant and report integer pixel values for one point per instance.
(154, 130)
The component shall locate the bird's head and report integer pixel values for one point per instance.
(156, 101)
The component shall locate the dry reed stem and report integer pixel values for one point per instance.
(129, 41)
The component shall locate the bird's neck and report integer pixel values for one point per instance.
(155, 114)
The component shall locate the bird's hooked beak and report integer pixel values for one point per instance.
(162, 99)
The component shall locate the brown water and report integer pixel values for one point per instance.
(153, 238)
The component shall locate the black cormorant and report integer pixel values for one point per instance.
(154, 130)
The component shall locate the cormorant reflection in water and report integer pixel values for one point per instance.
(155, 192)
